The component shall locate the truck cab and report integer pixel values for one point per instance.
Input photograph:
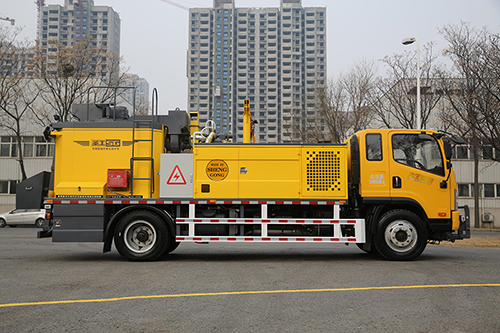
(405, 176)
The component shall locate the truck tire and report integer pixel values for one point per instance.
(401, 235)
(142, 235)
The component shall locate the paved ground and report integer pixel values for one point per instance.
(244, 288)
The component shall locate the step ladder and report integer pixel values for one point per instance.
(144, 124)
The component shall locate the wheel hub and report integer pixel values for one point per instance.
(401, 236)
(140, 236)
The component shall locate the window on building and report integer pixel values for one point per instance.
(489, 190)
(462, 152)
(463, 190)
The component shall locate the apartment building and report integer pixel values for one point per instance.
(77, 20)
(275, 57)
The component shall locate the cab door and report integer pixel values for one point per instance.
(417, 170)
(374, 165)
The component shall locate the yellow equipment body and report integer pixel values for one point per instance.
(270, 171)
(84, 155)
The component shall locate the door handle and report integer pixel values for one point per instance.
(396, 182)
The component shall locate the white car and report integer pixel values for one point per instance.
(23, 216)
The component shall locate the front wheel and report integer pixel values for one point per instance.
(401, 235)
(141, 236)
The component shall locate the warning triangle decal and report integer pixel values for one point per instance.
(176, 178)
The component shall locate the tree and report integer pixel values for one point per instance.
(342, 106)
(398, 91)
(16, 96)
(67, 73)
(472, 87)
(473, 93)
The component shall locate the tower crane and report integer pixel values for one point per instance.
(12, 21)
(176, 4)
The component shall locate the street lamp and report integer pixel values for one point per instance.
(408, 41)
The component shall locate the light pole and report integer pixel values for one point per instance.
(408, 41)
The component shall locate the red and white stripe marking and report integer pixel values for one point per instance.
(191, 202)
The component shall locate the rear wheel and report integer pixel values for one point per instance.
(142, 236)
(401, 235)
(2, 223)
(39, 223)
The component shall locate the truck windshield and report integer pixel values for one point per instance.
(423, 154)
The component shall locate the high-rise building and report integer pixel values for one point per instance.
(275, 57)
(77, 20)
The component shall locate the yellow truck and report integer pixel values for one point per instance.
(149, 183)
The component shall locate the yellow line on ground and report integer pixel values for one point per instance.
(256, 292)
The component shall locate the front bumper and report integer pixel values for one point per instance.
(463, 231)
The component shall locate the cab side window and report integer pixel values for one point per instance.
(374, 147)
(418, 152)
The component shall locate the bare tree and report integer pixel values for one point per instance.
(398, 91)
(472, 87)
(67, 72)
(16, 97)
(473, 93)
(342, 106)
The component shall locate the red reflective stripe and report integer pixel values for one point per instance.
(179, 238)
(351, 239)
(159, 202)
(248, 239)
(266, 239)
(108, 202)
(176, 202)
(180, 220)
(74, 202)
(351, 221)
(91, 202)
(295, 202)
(317, 239)
(248, 221)
(143, 202)
(231, 221)
(334, 221)
(245, 202)
(193, 202)
(301, 221)
(334, 239)
(262, 202)
(57, 201)
(214, 221)
(330, 202)
(214, 238)
(266, 221)
(126, 202)
(228, 202)
(231, 239)
(279, 202)
(283, 221)
(313, 202)
(300, 239)
(283, 239)
(197, 221)
(316, 221)
(197, 238)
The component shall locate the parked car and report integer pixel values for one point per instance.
(22, 216)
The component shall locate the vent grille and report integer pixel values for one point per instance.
(323, 170)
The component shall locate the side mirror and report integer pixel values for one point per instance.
(448, 152)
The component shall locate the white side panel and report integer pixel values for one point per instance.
(176, 176)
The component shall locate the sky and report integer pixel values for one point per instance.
(154, 34)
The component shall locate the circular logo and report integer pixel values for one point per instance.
(217, 170)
